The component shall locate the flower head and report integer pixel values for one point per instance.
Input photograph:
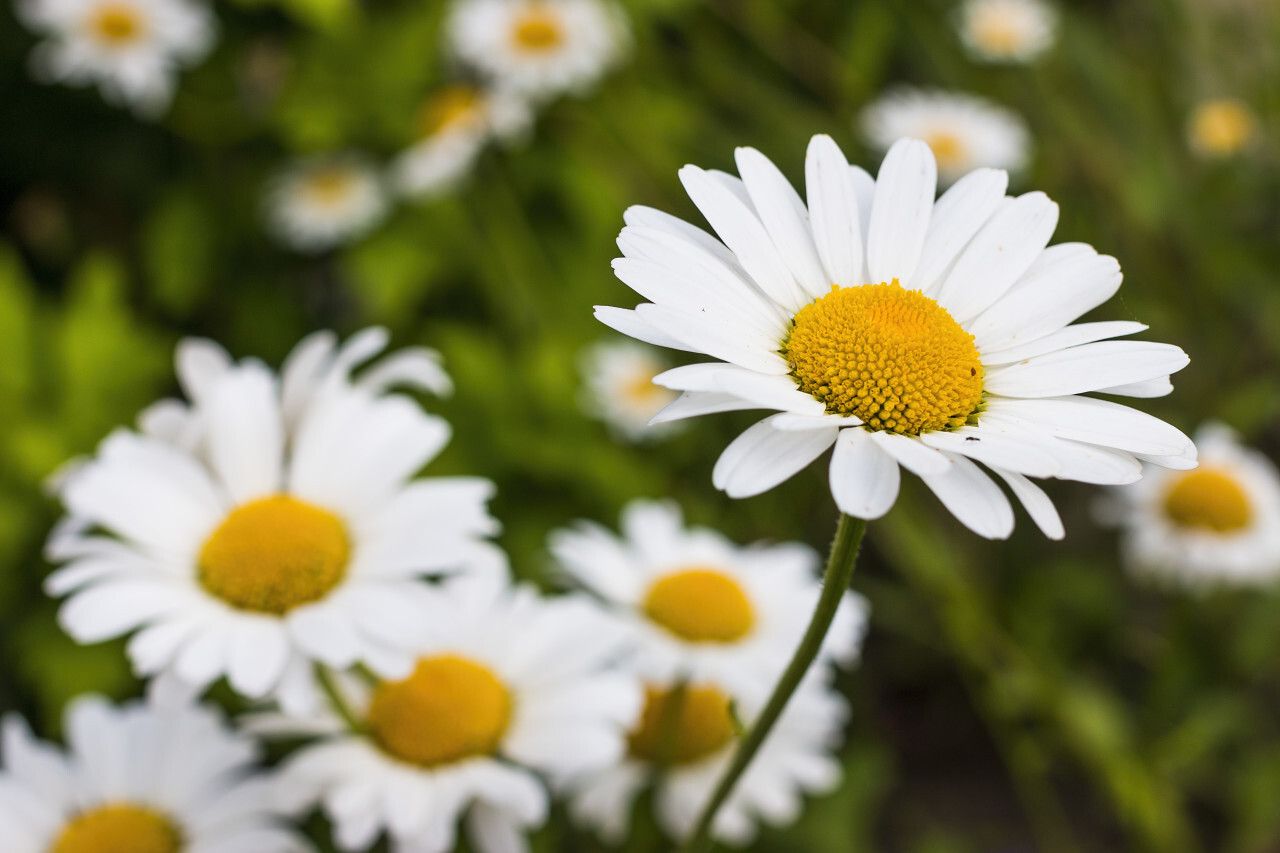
(1221, 127)
(324, 201)
(619, 388)
(1006, 31)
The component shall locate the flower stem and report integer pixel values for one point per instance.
(325, 679)
(840, 563)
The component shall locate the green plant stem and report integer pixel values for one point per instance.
(840, 563)
(325, 680)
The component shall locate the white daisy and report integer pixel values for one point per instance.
(618, 388)
(964, 132)
(540, 48)
(902, 330)
(143, 778)
(1006, 31)
(131, 48)
(506, 685)
(1217, 523)
(325, 201)
(703, 607)
(1221, 127)
(269, 524)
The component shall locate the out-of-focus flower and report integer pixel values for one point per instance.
(704, 608)
(1006, 31)
(964, 132)
(1221, 127)
(271, 523)
(325, 201)
(454, 125)
(131, 48)
(156, 777)
(540, 48)
(907, 332)
(1218, 523)
(619, 389)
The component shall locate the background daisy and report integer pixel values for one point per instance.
(324, 201)
(1006, 31)
(618, 388)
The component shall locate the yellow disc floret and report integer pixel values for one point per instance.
(1222, 127)
(119, 828)
(701, 725)
(116, 24)
(700, 605)
(1210, 499)
(449, 709)
(274, 554)
(538, 29)
(890, 356)
(449, 107)
(948, 150)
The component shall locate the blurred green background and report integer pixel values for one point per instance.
(1013, 696)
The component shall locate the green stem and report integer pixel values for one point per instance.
(325, 679)
(840, 563)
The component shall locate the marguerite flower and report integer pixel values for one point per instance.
(1219, 523)
(704, 608)
(1221, 127)
(540, 48)
(143, 778)
(619, 389)
(1009, 31)
(271, 523)
(903, 331)
(506, 685)
(964, 132)
(131, 48)
(325, 201)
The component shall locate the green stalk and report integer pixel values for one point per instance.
(325, 679)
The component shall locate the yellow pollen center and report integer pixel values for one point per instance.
(704, 725)
(449, 709)
(947, 149)
(1208, 498)
(116, 24)
(450, 107)
(538, 29)
(1222, 127)
(274, 554)
(890, 356)
(116, 829)
(701, 606)
(330, 187)
(996, 32)
(642, 393)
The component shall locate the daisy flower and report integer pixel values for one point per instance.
(903, 331)
(1006, 31)
(1218, 523)
(271, 523)
(325, 201)
(1221, 127)
(506, 685)
(964, 132)
(619, 390)
(540, 48)
(142, 777)
(131, 48)
(702, 607)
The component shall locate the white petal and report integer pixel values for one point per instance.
(900, 211)
(1086, 368)
(1095, 421)
(912, 454)
(762, 457)
(692, 404)
(993, 448)
(631, 324)
(973, 498)
(716, 338)
(957, 216)
(785, 218)
(1039, 507)
(833, 211)
(864, 478)
(246, 433)
(200, 362)
(1158, 387)
(1071, 336)
(259, 651)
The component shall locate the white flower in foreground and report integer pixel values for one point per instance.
(903, 331)
(1217, 524)
(704, 608)
(271, 523)
(1221, 127)
(140, 778)
(1007, 31)
(131, 48)
(325, 201)
(964, 132)
(506, 685)
(619, 389)
(540, 48)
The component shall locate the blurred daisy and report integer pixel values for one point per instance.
(619, 390)
(506, 685)
(964, 132)
(703, 607)
(1221, 127)
(903, 331)
(325, 201)
(131, 48)
(271, 523)
(143, 778)
(1009, 31)
(541, 48)
(795, 759)
(1219, 522)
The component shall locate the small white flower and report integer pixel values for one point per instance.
(619, 389)
(157, 777)
(1221, 127)
(325, 201)
(964, 132)
(1219, 523)
(1007, 31)
(270, 523)
(540, 48)
(131, 48)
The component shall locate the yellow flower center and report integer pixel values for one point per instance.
(538, 29)
(700, 605)
(116, 24)
(449, 107)
(702, 725)
(640, 391)
(330, 186)
(449, 709)
(996, 32)
(116, 829)
(1221, 127)
(274, 554)
(1208, 498)
(948, 150)
(892, 357)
